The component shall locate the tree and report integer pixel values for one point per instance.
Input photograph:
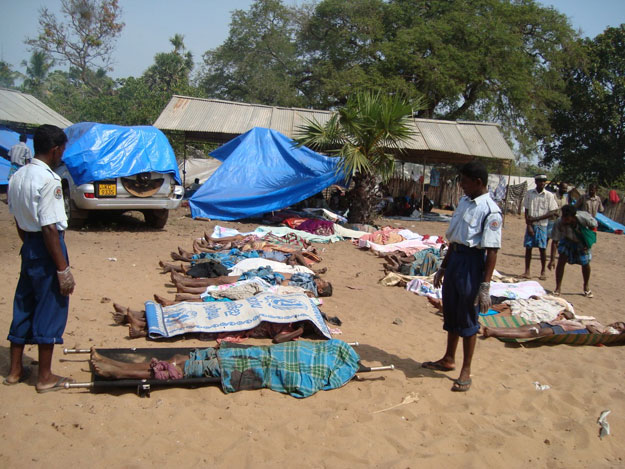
(85, 40)
(37, 69)
(171, 70)
(589, 135)
(258, 62)
(7, 75)
(471, 59)
(367, 135)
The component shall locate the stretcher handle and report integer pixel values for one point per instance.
(363, 369)
(68, 351)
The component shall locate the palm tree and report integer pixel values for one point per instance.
(367, 135)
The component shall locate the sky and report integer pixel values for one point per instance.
(205, 25)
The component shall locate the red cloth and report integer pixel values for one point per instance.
(613, 197)
(164, 370)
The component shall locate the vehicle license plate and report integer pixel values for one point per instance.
(106, 190)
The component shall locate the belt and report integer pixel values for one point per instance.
(39, 234)
(456, 247)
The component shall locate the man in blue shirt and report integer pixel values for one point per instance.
(474, 237)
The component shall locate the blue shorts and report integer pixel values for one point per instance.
(39, 309)
(464, 273)
(575, 253)
(550, 226)
(539, 240)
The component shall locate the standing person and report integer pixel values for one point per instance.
(42, 294)
(540, 205)
(474, 235)
(568, 239)
(590, 202)
(562, 199)
(20, 155)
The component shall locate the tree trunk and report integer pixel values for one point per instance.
(363, 199)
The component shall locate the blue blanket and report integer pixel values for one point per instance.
(231, 316)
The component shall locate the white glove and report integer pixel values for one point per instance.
(66, 281)
(483, 297)
(438, 277)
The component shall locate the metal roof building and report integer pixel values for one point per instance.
(21, 111)
(433, 141)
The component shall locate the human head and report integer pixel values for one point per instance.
(197, 180)
(540, 180)
(568, 215)
(562, 188)
(323, 288)
(23, 138)
(473, 178)
(49, 141)
(592, 190)
(619, 326)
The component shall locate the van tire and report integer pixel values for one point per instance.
(156, 218)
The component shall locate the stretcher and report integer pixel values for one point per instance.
(143, 387)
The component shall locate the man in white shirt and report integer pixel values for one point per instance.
(20, 155)
(41, 299)
(474, 235)
(540, 206)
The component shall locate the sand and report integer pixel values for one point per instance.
(502, 421)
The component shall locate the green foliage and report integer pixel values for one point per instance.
(589, 135)
(259, 60)
(367, 134)
(37, 70)
(85, 39)
(7, 75)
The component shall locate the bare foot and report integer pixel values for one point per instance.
(162, 301)
(438, 304)
(526, 275)
(486, 332)
(136, 332)
(106, 369)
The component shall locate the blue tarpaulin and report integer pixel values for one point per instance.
(8, 138)
(104, 151)
(609, 225)
(5, 167)
(262, 171)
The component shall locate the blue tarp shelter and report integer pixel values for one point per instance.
(8, 138)
(5, 167)
(104, 151)
(262, 171)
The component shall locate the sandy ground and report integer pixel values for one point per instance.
(503, 420)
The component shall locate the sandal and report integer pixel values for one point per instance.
(588, 294)
(461, 386)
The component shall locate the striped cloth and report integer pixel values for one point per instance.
(500, 320)
(297, 368)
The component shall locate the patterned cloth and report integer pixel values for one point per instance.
(539, 240)
(297, 368)
(575, 253)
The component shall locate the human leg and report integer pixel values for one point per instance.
(463, 383)
(586, 277)
(17, 368)
(524, 332)
(543, 262)
(448, 362)
(562, 260)
(528, 261)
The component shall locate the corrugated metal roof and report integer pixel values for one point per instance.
(23, 108)
(434, 139)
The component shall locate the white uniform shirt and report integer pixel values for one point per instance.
(36, 197)
(538, 204)
(20, 153)
(476, 223)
